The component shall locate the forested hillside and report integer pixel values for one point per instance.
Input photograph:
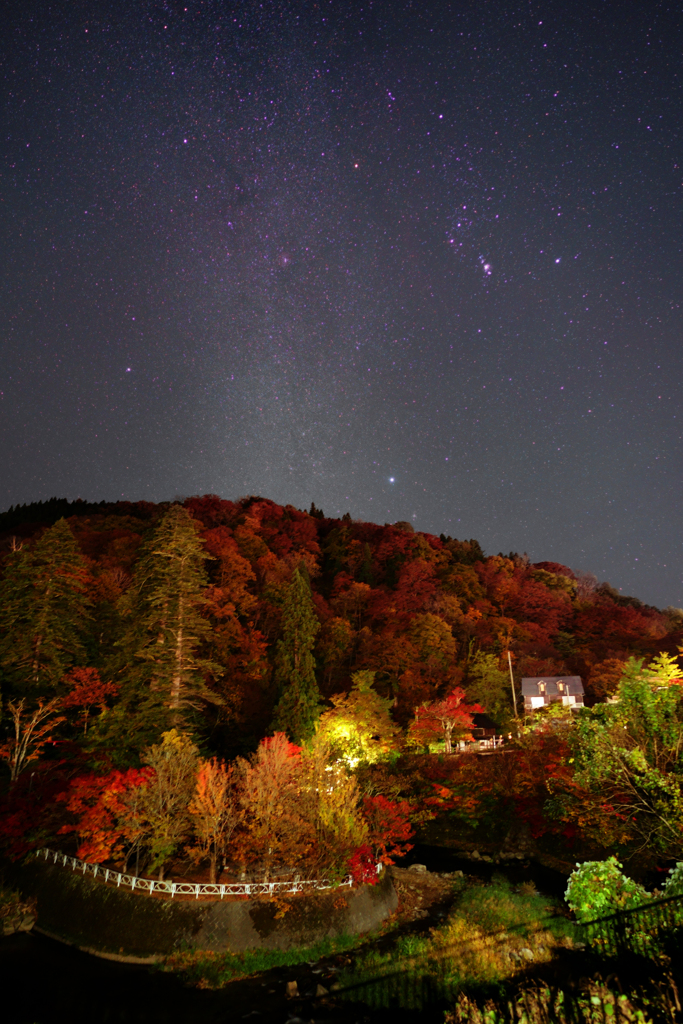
(424, 613)
(138, 640)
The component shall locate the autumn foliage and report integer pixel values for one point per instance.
(286, 808)
(105, 813)
(151, 648)
(447, 718)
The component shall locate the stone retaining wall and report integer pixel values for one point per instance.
(127, 925)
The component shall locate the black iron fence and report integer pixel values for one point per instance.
(645, 931)
(437, 977)
(639, 950)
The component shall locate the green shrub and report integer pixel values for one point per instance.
(598, 888)
(674, 883)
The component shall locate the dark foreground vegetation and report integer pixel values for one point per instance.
(221, 690)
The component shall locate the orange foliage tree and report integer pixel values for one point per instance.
(104, 809)
(269, 796)
(215, 811)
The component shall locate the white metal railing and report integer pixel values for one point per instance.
(195, 889)
(474, 746)
(492, 743)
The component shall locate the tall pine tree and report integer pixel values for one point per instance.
(44, 611)
(167, 627)
(298, 707)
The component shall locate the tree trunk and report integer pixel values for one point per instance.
(35, 667)
(177, 675)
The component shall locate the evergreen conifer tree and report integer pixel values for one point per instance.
(298, 706)
(44, 610)
(167, 627)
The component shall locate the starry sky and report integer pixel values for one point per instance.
(413, 260)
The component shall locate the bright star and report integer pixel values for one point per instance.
(391, 480)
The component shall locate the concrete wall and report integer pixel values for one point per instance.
(134, 926)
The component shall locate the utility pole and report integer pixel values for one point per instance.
(512, 684)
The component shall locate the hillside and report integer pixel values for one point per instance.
(423, 612)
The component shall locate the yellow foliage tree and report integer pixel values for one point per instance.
(330, 800)
(359, 727)
(162, 803)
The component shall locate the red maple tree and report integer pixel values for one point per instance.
(87, 691)
(444, 718)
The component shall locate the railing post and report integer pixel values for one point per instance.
(198, 888)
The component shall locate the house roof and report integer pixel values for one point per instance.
(482, 721)
(572, 685)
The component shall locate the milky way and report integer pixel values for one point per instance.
(416, 261)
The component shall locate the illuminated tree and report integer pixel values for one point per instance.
(214, 810)
(275, 828)
(163, 806)
(107, 821)
(389, 827)
(167, 626)
(298, 706)
(331, 805)
(299, 810)
(359, 728)
(235, 645)
(665, 670)
(434, 641)
(44, 609)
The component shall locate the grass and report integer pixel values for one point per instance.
(481, 942)
(476, 957)
(13, 904)
(213, 970)
(492, 933)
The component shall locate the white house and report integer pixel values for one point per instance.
(541, 690)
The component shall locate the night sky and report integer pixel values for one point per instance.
(413, 260)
